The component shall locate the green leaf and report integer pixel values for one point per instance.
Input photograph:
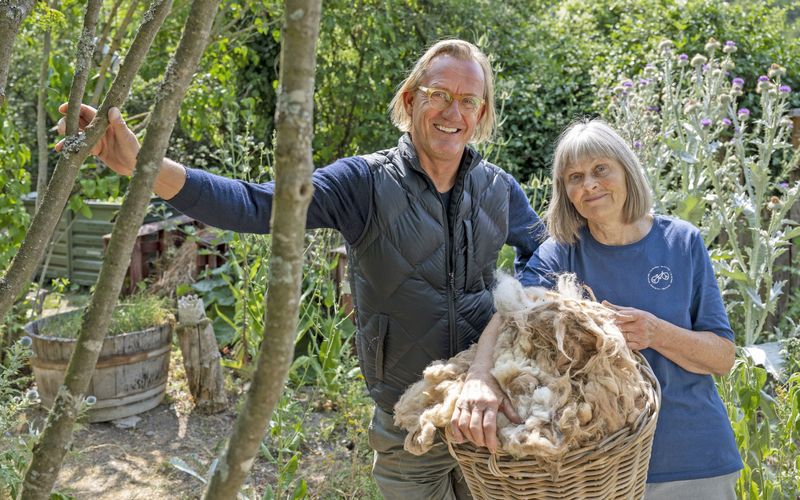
(691, 209)
(301, 491)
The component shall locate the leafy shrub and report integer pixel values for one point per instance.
(16, 435)
(713, 162)
(767, 431)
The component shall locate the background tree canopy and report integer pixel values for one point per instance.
(555, 61)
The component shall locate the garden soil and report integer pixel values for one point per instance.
(109, 462)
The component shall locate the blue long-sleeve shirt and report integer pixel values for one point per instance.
(341, 201)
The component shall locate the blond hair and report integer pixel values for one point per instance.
(588, 139)
(458, 49)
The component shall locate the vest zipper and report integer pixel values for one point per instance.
(451, 281)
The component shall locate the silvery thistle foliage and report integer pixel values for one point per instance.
(714, 164)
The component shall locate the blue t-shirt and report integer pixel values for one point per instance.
(341, 201)
(667, 273)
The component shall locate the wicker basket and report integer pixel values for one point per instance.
(613, 468)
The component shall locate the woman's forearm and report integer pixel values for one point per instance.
(697, 352)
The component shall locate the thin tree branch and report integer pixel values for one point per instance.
(12, 13)
(293, 189)
(76, 149)
(51, 447)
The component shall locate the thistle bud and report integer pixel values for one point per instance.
(776, 70)
(690, 106)
(90, 400)
(712, 45)
(728, 65)
(699, 60)
(729, 47)
(26, 341)
(665, 45)
(725, 99)
(32, 395)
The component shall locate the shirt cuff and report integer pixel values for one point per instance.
(191, 191)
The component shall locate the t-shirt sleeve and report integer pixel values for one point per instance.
(340, 201)
(543, 267)
(526, 231)
(707, 310)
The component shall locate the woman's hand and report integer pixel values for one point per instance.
(117, 148)
(639, 328)
(475, 415)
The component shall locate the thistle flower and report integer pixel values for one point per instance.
(705, 123)
(738, 82)
(699, 60)
(776, 70)
(90, 400)
(26, 341)
(785, 89)
(727, 122)
(783, 185)
(712, 45)
(627, 84)
(683, 60)
(786, 122)
(743, 113)
(643, 81)
(653, 108)
(730, 47)
(637, 145)
(763, 78)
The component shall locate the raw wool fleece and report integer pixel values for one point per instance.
(563, 363)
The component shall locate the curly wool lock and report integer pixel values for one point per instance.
(563, 363)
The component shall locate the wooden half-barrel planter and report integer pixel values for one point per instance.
(131, 373)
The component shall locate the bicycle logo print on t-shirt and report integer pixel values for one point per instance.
(660, 277)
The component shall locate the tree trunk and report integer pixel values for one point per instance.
(106, 61)
(41, 120)
(201, 357)
(293, 189)
(76, 149)
(12, 13)
(48, 453)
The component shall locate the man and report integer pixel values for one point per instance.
(423, 222)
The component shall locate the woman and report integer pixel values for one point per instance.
(655, 272)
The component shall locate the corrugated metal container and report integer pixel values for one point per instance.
(78, 250)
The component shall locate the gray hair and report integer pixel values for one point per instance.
(587, 139)
(463, 51)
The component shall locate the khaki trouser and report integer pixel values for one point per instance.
(403, 476)
(711, 488)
